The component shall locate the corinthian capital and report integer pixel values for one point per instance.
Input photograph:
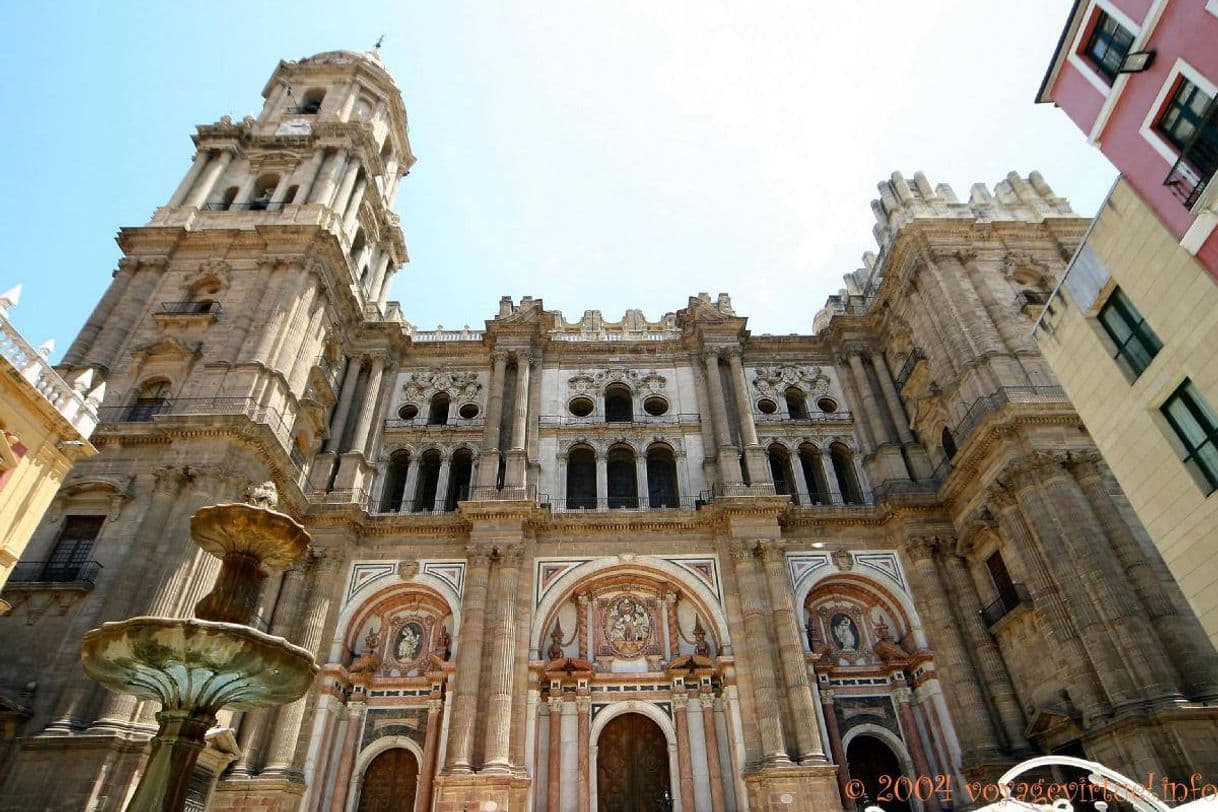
(773, 550)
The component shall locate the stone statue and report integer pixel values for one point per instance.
(265, 495)
(701, 647)
(555, 652)
(444, 642)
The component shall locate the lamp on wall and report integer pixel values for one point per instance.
(1136, 61)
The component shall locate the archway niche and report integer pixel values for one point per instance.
(581, 478)
(390, 782)
(662, 490)
(621, 476)
(632, 766)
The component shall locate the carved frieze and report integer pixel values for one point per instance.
(422, 385)
(774, 380)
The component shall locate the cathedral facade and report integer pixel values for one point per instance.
(592, 564)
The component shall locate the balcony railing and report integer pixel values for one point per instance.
(907, 368)
(629, 504)
(83, 573)
(199, 308)
(638, 420)
(1006, 604)
(146, 410)
(1198, 161)
(814, 418)
(420, 422)
(988, 404)
(36, 369)
(253, 205)
(403, 504)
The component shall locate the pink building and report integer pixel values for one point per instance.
(1140, 77)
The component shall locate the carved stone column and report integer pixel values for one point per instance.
(583, 608)
(488, 469)
(286, 733)
(801, 480)
(714, 772)
(442, 484)
(431, 751)
(323, 190)
(583, 710)
(469, 661)
(684, 761)
(554, 756)
(339, 421)
(791, 654)
(725, 453)
(900, 697)
(974, 727)
(350, 748)
(756, 656)
(1183, 637)
(368, 407)
(602, 479)
(517, 473)
(503, 649)
(214, 171)
(754, 454)
(196, 168)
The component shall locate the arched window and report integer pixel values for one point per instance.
(264, 189)
(619, 407)
(809, 461)
(437, 415)
(581, 478)
(948, 442)
(310, 104)
(843, 469)
(394, 491)
(797, 404)
(780, 470)
(662, 478)
(459, 472)
(152, 399)
(429, 480)
(621, 474)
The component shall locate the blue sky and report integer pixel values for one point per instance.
(598, 155)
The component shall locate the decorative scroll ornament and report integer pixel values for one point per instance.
(594, 381)
(422, 385)
(628, 626)
(777, 379)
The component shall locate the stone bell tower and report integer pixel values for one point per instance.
(238, 342)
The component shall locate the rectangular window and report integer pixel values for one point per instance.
(1107, 46)
(1197, 427)
(1190, 123)
(1136, 344)
(73, 547)
(1007, 593)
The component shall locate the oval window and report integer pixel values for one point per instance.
(468, 411)
(581, 407)
(827, 405)
(408, 412)
(767, 406)
(655, 406)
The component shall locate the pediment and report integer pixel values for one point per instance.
(167, 347)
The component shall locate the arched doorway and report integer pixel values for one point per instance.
(632, 766)
(872, 761)
(390, 782)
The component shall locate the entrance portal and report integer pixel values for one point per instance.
(390, 782)
(632, 766)
(872, 761)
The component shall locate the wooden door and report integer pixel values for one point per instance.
(873, 762)
(389, 783)
(632, 766)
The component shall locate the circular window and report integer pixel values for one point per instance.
(827, 405)
(655, 406)
(581, 407)
(468, 410)
(767, 406)
(408, 412)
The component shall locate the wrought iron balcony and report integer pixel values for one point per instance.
(253, 205)
(204, 307)
(82, 574)
(907, 368)
(1006, 604)
(1194, 170)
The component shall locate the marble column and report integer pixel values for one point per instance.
(517, 473)
(871, 404)
(488, 468)
(431, 750)
(339, 421)
(756, 656)
(583, 710)
(352, 211)
(913, 741)
(469, 661)
(215, 170)
(350, 749)
(714, 773)
(554, 756)
(835, 745)
(196, 168)
(825, 460)
(306, 175)
(602, 479)
(680, 700)
(503, 649)
(442, 483)
(801, 480)
(286, 732)
(791, 653)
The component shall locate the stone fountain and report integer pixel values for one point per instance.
(196, 666)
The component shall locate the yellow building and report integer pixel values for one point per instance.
(45, 423)
(1131, 332)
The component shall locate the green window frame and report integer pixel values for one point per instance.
(1196, 425)
(1108, 45)
(1185, 115)
(1136, 343)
